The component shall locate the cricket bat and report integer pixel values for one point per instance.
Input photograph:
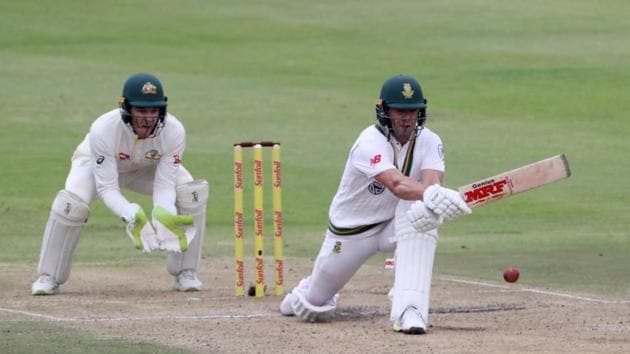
(515, 181)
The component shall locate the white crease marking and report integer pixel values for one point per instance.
(138, 318)
(536, 291)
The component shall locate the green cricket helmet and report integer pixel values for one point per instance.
(143, 91)
(404, 93)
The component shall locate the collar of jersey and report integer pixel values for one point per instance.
(408, 163)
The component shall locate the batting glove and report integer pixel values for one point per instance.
(169, 233)
(422, 218)
(445, 202)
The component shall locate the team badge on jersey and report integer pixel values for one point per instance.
(152, 155)
(123, 156)
(337, 247)
(376, 188)
(176, 159)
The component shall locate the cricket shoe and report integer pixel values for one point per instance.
(187, 280)
(286, 306)
(45, 285)
(411, 322)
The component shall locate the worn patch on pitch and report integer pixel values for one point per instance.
(475, 309)
(356, 313)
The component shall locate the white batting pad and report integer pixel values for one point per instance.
(191, 199)
(67, 216)
(307, 312)
(168, 240)
(414, 266)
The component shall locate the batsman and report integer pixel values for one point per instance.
(137, 146)
(390, 198)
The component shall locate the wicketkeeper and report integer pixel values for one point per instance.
(138, 146)
(389, 199)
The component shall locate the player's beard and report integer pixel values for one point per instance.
(403, 134)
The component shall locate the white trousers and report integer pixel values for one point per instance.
(340, 257)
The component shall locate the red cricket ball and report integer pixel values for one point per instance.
(510, 274)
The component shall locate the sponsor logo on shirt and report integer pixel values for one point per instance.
(123, 156)
(375, 160)
(376, 188)
(100, 160)
(152, 155)
(441, 151)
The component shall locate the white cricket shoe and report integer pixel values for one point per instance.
(286, 306)
(45, 285)
(187, 280)
(411, 322)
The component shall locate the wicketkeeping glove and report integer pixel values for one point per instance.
(140, 230)
(445, 202)
(171, 237)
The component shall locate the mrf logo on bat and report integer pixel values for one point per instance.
(488, 190)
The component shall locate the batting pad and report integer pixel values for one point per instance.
(192, 198)
(414, 267)
(67, 216)
(307, 312)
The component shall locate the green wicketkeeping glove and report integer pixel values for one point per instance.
(140, 219)
(141, 232)
(169, 233)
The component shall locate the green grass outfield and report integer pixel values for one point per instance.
(508, 83)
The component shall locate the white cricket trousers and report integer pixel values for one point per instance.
(340, 257)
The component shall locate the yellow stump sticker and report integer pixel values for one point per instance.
(277, 219)
(259, 220)
(238, 222)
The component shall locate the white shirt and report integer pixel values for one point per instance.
(115, 149)
(360, 199)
